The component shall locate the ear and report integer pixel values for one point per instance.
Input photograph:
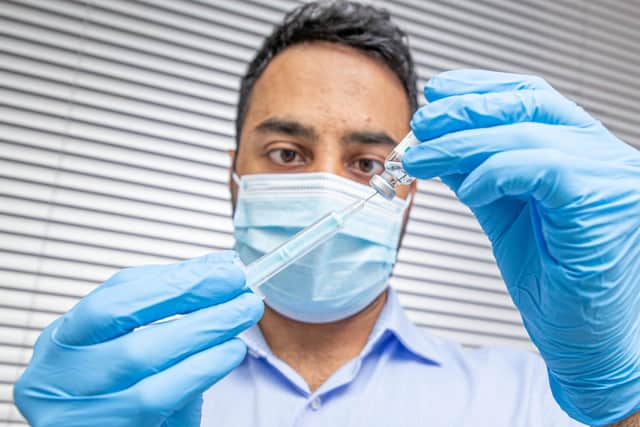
(413, 189)
(233, 187)
(232, 165)
(232, 162)
(408, 191)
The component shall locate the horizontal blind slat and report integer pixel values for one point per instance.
(116, 117)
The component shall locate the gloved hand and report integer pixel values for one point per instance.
(90, 368)
(559, 198)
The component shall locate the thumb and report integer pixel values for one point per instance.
(547, 176)
(453, 181)
(187, 416)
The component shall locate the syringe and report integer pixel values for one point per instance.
(270, 264)
(303, 242)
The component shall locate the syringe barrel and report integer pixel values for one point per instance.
(394, 173)
(303, 242)
(270, 264)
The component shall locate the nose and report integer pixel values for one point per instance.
(331, 160)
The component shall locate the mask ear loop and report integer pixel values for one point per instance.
(235, 178)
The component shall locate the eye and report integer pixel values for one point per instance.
(367, 166)
(283, 156)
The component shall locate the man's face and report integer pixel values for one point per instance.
(323, 107)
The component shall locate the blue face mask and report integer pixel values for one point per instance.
(340, 277)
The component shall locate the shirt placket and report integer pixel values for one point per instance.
(311, 414)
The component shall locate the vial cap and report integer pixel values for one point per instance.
(383, 187)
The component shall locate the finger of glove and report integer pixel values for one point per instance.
(151, 294)
(544, 175)
(132, 273)
(453, 181)
(139, 354)
(160, 346)
(461, 152)
(173, 388)
(471, 111)
(492, 225)
(460, 82)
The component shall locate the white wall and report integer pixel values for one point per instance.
(115, 118)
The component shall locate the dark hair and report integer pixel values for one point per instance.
(357, 25)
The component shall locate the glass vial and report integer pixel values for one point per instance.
(394, 174)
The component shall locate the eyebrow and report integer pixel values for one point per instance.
(287, 127)
(364, 137)
(296, 129)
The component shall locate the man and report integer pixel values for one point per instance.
(323, 102)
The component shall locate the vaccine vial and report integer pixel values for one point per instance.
(394, 174)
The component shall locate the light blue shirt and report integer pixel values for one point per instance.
(404, 376)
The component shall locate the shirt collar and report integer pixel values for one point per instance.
(392, 320)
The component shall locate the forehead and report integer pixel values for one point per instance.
(333, 87)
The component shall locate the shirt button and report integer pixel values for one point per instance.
(316, 403)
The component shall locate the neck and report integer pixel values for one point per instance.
(317, 350)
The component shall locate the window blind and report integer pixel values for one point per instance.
(116, 117)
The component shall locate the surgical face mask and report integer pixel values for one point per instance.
(340, 277)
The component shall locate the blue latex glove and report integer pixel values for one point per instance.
(559, 198)
(90, 368)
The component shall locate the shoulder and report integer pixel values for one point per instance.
(526, 366)
(487, 358)
(513, 381)
(493, 367)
